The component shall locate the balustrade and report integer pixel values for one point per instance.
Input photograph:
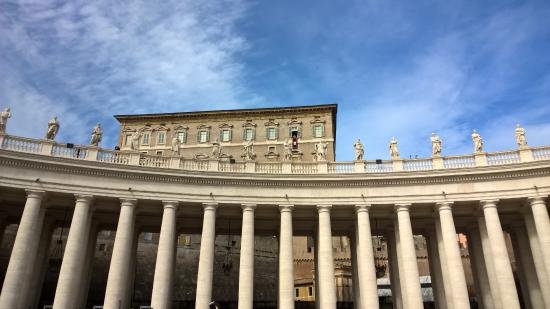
(459, 161)
(237, 167)
(541, 153)
(384, 167)
(154, 161)
(60, 150)
(417, 165)
(304, 168)
(269, 168)
(22, 144)
(341, 167)
(505, 157)
(113, 157)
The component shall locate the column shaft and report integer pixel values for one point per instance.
(286, 259)
(489, 263)
(88, 270)
(479, 269)
(542, 225)
(365, 259)
(74, 257)
(435, 272)
(40, 266)
(327, 286)
(206, 258)
(410, 266)
(504, 275)
(537, 257)
(24, 252)
(397, 299)
(527, 274)
(246, 265)
(116, 294)
(452, 255)
(164, 267)
(354, 271)
(444, 267)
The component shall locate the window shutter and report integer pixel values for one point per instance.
(276, 133)
(198, 136)
(289, 131)
(313, 130)
(244, 134)
(299, 132)
(230, 135)
(184, 139)
(253, 134)
(267, 133)
(207, 135)
(322, 130)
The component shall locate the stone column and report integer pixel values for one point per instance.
(479, 269)
(435, 271)
(132, 268)
(443, 262)
(206, 257)
(452, 255)
(537, 257)
(365, 258)
(526, 271)
(40, 266)
(316, 269)
(542, 226)
(88, 270)
(410, 267)
(397, 300)
(504, 275)
(489, 262)
(24, 251)
(164, 268)
(246, 265)
(354, 271)
(116, 294)
(327, 286)
(74, 257)
(286, 259)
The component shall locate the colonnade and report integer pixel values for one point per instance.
(494, 279)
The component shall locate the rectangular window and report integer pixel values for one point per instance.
(271, 133)
(318, 131)
(225, 135)
(159, 153)
(161, 137)
(297, 292)
(203, 136)
(310, 290)
(248, 134)
(294, 132)
(181, 136)
(271, 149)
(127, 139)
(145, 139)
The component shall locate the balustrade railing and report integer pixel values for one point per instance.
(22, 144)
(51, 148)
(505, 157)
(340, 167)
(459, 161)
(417, 164)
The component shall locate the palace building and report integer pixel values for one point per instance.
(250, 209)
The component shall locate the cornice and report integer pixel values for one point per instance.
(89, 168)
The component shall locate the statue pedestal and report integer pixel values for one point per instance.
(397, 163)
(213, 165)
(359, 166)
(322, 167)
(250, 166)
(480, 158)
(286, 167)
(525, 154)
(91, 153)
(175, 162)
(47, 146)
(437, 162)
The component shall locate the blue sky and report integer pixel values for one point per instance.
(396, 68)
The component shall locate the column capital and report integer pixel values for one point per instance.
(324, 208)
(248, 206)
(536, 200)
(171, 204)
(363, 207)
(210, 206)
(128, 202)
(84, 198)
(446, 205)
(286, 207)
(488, 203)
(37, 194)
(402, 207)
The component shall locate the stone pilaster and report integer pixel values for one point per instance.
(116, 294)
(286, 259)
(206, 258)
(165, 265)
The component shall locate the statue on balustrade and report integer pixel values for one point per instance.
(394, 152)
(248, 150)
(436, 145)
(4, 116)
(134, 140)
(321, 151)
(287, 154)
(520, 136)
(478, 142)
(53, 128)
(97, 134)
(176, 146)
(359, 150)
(216, 149)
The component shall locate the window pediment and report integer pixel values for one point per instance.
(271, 123)
(294, 122)
(249, 124)
(226, 126)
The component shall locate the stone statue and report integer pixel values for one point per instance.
(134, 140)
(321, 151)
(287, 154)
(216, 149)
(97, 133)
(176, 145)
(394, 152)
(520, 136)
(359, 150)
(478, 142)
(53, 128)
(248, 150)
(436, 145)
(4, 116)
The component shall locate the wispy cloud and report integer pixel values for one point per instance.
(86, 61)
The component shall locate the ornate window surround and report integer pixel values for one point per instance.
(203, 128)
(294, 123)
(181, 129)
(226, 127)
(271, 124)
(249, 125)
(316, 122)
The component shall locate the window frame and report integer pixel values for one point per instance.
(145, 138)
(163, 141)
(275, 133)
